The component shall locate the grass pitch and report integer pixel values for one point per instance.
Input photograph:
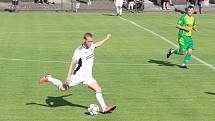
(131, 68)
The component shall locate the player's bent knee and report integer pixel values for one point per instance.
(98, 89)
(182, 53)
(62, 88)
(190, 51)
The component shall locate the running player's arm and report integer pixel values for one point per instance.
(194, 25)
(75, 58)
(71, 67)
(65, 85)
(195, 28)
(101, 42)
(184, 28)
(180, 23)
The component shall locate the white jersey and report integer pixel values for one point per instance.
(119, 3)
(84, 58)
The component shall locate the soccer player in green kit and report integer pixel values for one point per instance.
(185, 25)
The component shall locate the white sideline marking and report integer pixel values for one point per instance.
(168, 41)
(122, 64)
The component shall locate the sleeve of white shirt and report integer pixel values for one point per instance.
(76, 55)
(93, 46)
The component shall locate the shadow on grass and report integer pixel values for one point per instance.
(53, 102)
(210, 93)
(165, 63)
(109, 14)
(162, 63)
(8, 10)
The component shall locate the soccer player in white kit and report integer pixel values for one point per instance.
(80, 70)
(118, 4)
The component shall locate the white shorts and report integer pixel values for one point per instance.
(119, 3)
(201, 4)
(77, 79)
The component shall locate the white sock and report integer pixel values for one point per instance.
(172, 51)
(183, 64)
(117, 10)
(100, 99)
(55, 82)
(120, 11)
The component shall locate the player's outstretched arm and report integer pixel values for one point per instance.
(71, 67)
(101, 42)
(68, 78)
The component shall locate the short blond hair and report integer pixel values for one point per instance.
(87, 35)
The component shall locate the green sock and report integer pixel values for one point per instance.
(187, 58)
(176, 52)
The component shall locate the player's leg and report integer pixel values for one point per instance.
(181, 51)
(56, 82)
(132, 5)
(89, 2)
(129, 6)
(17, 4)
(120, 10)
(189, 46)
(117, 10)
(201, 5)
(13, 7)
(187, 57)
(95, 86)
(164, 5)
(167, 5)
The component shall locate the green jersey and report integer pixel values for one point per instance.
(186, 21)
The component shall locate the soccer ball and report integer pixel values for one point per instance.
(93, 109)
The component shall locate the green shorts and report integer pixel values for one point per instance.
(185, 42)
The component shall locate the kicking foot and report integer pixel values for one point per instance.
(44, 79)
(169, 53)
(109, 109)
